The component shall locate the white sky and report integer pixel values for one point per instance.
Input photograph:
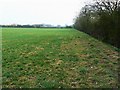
(40, 11)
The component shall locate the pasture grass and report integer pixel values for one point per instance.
(56, 58)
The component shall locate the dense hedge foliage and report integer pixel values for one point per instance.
(101, 19)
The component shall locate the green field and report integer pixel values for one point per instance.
(56, 58)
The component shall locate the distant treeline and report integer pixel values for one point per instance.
(101, 19)
(36, 26)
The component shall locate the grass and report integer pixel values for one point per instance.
(57, 58)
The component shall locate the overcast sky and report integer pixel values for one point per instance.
(40, 11)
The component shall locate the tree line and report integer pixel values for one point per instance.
(101, 19)
(35, 26)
